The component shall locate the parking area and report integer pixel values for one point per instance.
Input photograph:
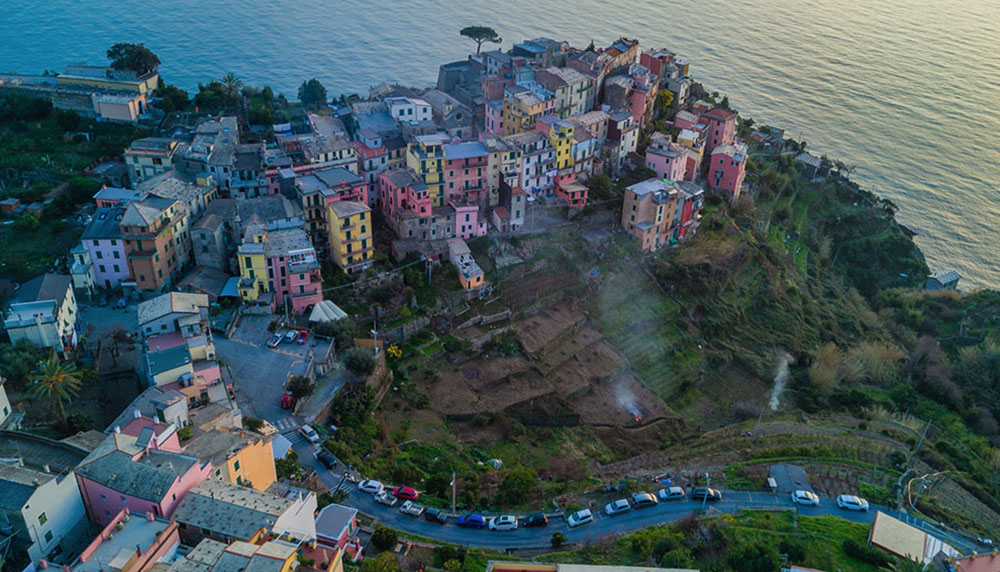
(253, 330)
(258, 375)
(98, 322)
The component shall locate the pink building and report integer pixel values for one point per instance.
(336, 525)
(493, 122)
(727, 169)
(721, 128)
(165, 434)
(403, 192)
(131, 472)
(465, 167)
(342, 185)
(467, 221)
(129, 543)
(665, 157)
(109, 197)
(293, 269)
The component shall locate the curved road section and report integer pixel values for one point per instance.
(603, 526)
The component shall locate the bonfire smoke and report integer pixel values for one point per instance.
(627, 401)
(780, 378)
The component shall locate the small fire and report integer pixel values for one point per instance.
(638, 418)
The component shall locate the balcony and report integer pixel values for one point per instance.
(302, 267)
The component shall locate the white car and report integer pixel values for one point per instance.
(671, 493)
(851, 502)
(386, 499)
(617, 507)
(805, 497)
(310, 434)
(371, 487)
(412, 509)
(505, 522)
(580, 517)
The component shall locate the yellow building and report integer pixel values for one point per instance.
(253, 264)
(426, 157)
(520, 111)
(351, 245)
(561, 138)
(238, 458)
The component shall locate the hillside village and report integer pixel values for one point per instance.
(556, 277)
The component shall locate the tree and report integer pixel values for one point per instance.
(360, 361)
(516, 485)
(56, 381)
(67, 119)
(599, 187)
(664, 99)
(312, 94)
(342, 331)
(185, 433)
(558, 539)
(133, 57)
(231, 84)
(300, 386)
(288, 467)
(384, 537)
(480, 35)
(26, 223)
(172, 97)
(253, 423)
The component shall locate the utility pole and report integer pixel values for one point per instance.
(375, 335)
(924, 481)
(453, 492)
(759, 418)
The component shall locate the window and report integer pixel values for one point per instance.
(218, 472)
(236, 465)
(124, 500)
(117, 269)
(48, 536)
(42, 519)
(101, 267)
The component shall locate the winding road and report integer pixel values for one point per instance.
(603, 525)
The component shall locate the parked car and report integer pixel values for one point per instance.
(286, 400)
(405, 493)
(326, 459)
(103, 300)
(121, 303)
(436, 515)
(851, 502)
(275, 340)
(705, 493)
(644, 499)
(808, 498)
(303, 337)
(580, 518)
(505, 522)
(536, 520)
(309, 433)
(671, 493)
(471, 521)
(371, 487)
(617, 507)
(290, 336)
(386, 499)
(410, 508)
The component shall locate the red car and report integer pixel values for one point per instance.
(405, 493)
(303, 336)
(286, 400)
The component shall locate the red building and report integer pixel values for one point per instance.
(721, 128)
(465, 167)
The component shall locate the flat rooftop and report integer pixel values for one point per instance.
(115, 552)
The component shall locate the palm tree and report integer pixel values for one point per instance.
(908, 565)
(232, 83)
(57, 381)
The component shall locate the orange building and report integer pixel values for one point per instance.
(239, 458)
(157, 240)
(648, 212)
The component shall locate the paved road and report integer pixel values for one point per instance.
(604, 526)
(258, 374)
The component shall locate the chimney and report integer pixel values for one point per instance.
(118, 429)
(46, 468)
(136, 413)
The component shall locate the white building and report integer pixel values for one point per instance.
(40, 503)
(408, 109)
(44, 312)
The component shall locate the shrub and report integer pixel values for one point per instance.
(253, 423)
(384, 537)
(862, 553)
(558, 539)
(185, 433)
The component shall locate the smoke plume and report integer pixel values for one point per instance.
(780, 378)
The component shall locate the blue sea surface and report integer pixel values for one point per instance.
(907, 91)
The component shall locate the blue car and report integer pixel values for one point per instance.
(471, 521)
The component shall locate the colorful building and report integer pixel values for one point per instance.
(466, 167)
(351, 243)
(538, 161)
(130, 543)
(727, 170)
(292, 269)
(469, 273)
(666, 158)
(523, 106)
(157, 241)
(126, 471)
(503, 166)
(560, 135)
(104, 243)
(150, 156)
(721, 128)
(254, 283)
(425, 156)
(237, 457)
(44, 312)
(648, 212)
(572, 90)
